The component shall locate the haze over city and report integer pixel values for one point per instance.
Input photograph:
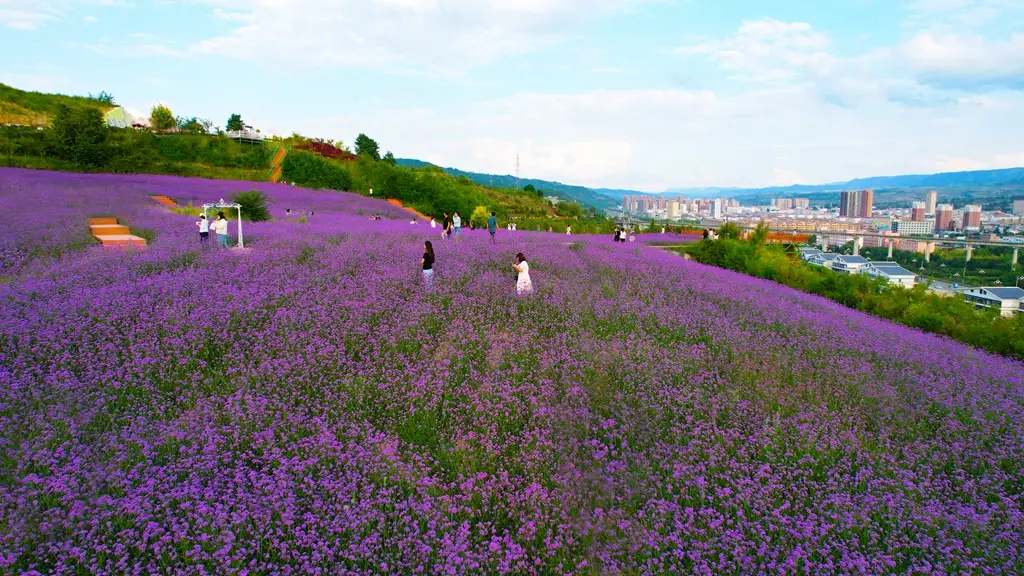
(615, 93)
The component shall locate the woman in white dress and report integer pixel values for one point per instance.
(524, 285)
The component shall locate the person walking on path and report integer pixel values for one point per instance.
(492, 225)
(220, 226)
(457, 224)
(204, 228)
(568, 230)
(428, 263)
(433, 223)
(524, 285)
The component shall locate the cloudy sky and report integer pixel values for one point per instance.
(645, 94)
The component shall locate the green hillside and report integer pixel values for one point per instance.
(36, 108)
(75, 137)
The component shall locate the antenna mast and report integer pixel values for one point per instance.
(517, 171)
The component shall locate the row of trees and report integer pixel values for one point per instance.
(916, 308)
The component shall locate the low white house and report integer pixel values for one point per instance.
(1008, 301)
(849, 264)
(892, 273)
(822, 259)
(807, 253)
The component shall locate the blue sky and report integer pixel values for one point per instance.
(646, 94)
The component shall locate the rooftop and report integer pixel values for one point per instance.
(1004, 293)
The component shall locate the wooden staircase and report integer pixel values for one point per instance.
(110, 233)
(277, 164)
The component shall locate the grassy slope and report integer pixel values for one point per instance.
(35, 108)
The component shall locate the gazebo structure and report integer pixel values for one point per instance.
(223, 204)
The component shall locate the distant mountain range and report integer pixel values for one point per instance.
(994, 188)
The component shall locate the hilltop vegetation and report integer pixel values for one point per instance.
(76, 138)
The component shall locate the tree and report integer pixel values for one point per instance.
(730, 230)
(366, 146)
(103, 97)
(194, 125)
(254, 205)
(760, 236)
(161, 118)
(569, 210)
(529, 188)
(235, 123)
(80, 136)
(390, 158)
(479, 217)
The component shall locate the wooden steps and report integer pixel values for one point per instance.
(110, 233)
(398, 204)
(164, 200)
(276, 164)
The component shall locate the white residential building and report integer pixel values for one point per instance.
(849, 264)
(911, 228)
(1008, 301)
(892, 273)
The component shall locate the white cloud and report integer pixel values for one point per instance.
(966, 61)
(445, 35)
(963, 164)
(26, 14)
(769, 50)
(90, 18)
(784, 177)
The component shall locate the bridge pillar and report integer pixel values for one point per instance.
(856, 245)
(1016, 255)
(928, 251)
(970, 250)
(890, 249)
(824, 243)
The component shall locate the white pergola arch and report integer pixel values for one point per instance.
(223, 204)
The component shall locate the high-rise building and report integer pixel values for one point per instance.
(801, 203)
(943, 217)
(917, 212)
(913, 227)
(673, 209)
(1018, 206)
(856, 203)
(931, 199)
(662, 203)
(716, 208)
(626, 203)
(972, 217)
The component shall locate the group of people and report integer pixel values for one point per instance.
(524, 285)
(219, 227)
(620, 235)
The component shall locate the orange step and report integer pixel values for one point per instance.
(397, 203)
(110, 233)
(109, 230)
(165, 201)
(121, 240)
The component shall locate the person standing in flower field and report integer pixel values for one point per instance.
(428, 263)
(524, 285)
(446, 226)
(568, 230)
(492, 225)
(457, 224)
(204, 228)
(220, 226)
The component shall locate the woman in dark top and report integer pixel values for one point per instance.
(428, 263)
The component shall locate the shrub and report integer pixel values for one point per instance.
(254, 205)
(308, 169)
(80, 136)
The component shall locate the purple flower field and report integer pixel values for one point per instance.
(304, 406)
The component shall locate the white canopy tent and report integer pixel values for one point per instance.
(223, 204)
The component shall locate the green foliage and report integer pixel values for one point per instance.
(479, 217)
(730, 231)
(37, 108)
(916, 308)
(760, 236)
(161, 118)
(569, 210)
(104, 98)
(390, 158)
(367, 147)
(193, 125)
(315, 171)
(234, 123)
(79, 136)
(254, 205)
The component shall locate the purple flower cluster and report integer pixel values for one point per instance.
(304, 406)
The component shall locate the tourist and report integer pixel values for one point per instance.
(433, 223)
(662, 229)
(457, 224)
(549, 229)
(288, 212)
(706, 234)
(428, 263)
(524, 285)
(204, 228)
(446, 227)
(220, 226)
(568, 230)
(617, 235)
(492, 225)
